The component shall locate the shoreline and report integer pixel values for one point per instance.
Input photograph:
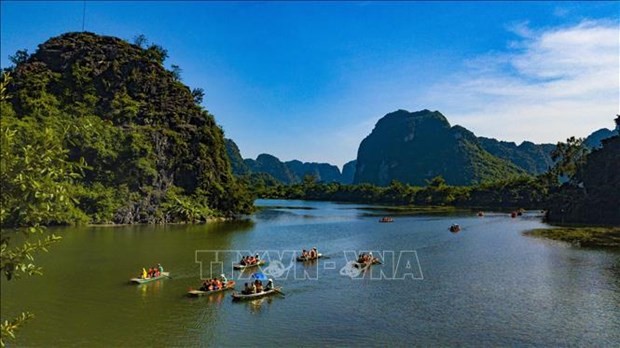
(580, 236)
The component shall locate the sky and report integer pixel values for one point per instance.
(309, 80)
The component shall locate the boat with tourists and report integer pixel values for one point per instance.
(455, 228)
(240, 266)
(386, 219)
(366, 260)
(153, 274)
(249, 262)
(303, 259)
(205, 292)
(309, 255)
(255, 290)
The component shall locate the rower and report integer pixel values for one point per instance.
(160, 268)
(223, 278)
(247, 289)
(269, 285)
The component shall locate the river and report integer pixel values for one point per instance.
(486, 285)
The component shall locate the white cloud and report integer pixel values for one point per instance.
(548, 85)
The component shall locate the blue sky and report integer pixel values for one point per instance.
(309, 80)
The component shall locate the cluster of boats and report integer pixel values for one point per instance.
(222, 284)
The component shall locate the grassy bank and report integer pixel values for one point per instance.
(608, 237)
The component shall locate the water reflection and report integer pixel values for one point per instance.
(151, 288)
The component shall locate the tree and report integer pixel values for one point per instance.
(176, 72)
(35, 177)
(157, 53)
(569, 157)
(198, 94)
(140, 41)
(19, 57)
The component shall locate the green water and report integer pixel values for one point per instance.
(487, 285)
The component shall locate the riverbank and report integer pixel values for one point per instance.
(599, 237)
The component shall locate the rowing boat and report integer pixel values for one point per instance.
(151, 279)
(375, 261)
(240, 266)
(197, 293)
(303, 259)
(237, 296)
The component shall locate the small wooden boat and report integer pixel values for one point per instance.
(386, 219)
(240, 266)
(480, 213)
(303, 259)
(455, 228)
(197, 293)
(375, 261)
(237, 296)
(151, 279)
(513, 214)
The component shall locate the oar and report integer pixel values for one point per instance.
(279, 292)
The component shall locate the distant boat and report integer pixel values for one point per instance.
(150, 279)
(480, 213)
(513, 214)
(303, 259)
(386, 219)
(240, 266)
(455, 228)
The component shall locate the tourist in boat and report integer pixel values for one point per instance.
(204, 286)
(144, 274)
(304, 254)
(253, 290)
(259, 286)
(313, 253)
(247, 289)
(269, 285)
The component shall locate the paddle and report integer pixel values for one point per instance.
(278, 291)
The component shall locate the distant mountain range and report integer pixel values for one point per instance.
(290, 172)
(413, 147)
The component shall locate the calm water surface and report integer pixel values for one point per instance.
(487, 285)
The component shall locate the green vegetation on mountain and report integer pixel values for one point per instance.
(270, 167)
(413, 147)
(150, 153)
(534, 159)
(592, 194)
(348, 172)
(236, 161)
(512, 193)
(322, 172)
